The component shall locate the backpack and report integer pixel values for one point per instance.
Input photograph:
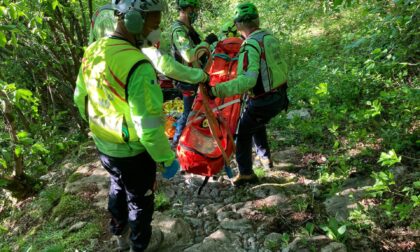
(206, 144)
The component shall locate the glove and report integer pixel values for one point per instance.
(209, 92)
(170, 171)
(211, 38)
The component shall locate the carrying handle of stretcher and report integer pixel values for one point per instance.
(208, 110)
(212, 121)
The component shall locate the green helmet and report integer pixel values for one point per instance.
(124, 6)
(132, 12)
(245, 12)
(182, 4)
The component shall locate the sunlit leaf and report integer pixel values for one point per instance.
(39, 148)
(24, 94)
(389, 159)
(54, 4)
(416, 200)
(322, 89)
(342, 229)
(60, 146)
(3, 163)
(3, 39)
(24, 138)
(376, 51)
(18, 150)
(3, 11)
(22, 134)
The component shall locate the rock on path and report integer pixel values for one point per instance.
(222, 218)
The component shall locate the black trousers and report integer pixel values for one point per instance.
(131, 196)
(252, 128)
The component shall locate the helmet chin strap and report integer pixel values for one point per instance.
(140, 41)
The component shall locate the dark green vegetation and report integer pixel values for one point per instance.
(353, 64)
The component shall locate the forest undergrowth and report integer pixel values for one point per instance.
(353, 66)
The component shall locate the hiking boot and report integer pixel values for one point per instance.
(123, 243)
(241, 180)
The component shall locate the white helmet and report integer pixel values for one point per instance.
(140, 5)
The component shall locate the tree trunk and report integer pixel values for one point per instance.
(85, 23)
(90, 9)
(11, 128)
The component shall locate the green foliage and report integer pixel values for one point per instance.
(63, 240)
(383, 182)
(308, 230)
(54, 248)
(285, 240)
(397, 204)
(47, 199)
(352, 64)
(29, 138)
(389, 159)
(45, 226)
(268, 210)
(361, 219)
(300, 204)
(259, 172)
(40, 48)
(162, 201)
(322, 89)
(276, 245)
(74, 177)
(335, 230)
(402, 211)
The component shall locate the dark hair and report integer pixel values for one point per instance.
(253, 23)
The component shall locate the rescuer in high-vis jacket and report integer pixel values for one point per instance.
(228, 30)
(118, 94)
(104, 23)
(188, 49)
(262, 72)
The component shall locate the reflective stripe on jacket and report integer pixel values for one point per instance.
(273, 68)
(104, 24)
(105, 70)
(185, 49)
(259, 69)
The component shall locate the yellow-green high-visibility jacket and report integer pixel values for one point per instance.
(261, 67)
(124, 102)
(105, 23)
(184, 49)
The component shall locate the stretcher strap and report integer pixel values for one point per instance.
(212, 121)
(225, 105)
(202, 185)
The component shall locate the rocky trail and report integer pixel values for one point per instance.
(224, 218)
(291, 208)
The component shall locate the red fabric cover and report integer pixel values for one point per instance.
(166, 83)
(197, 151)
